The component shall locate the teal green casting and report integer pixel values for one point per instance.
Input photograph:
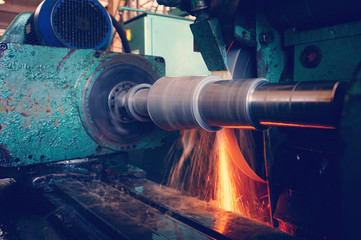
(208, 37)
(169, 37)
(338, 46)
(40, 117)
(15, 32)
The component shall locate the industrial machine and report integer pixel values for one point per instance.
(166, 36)
(73, 115)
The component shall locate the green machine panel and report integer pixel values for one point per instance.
(46, 113)
(169, 37)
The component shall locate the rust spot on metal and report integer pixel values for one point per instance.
(5, 157)
(5, 151)
(64, 59)
(262, 67)
(18, 46)
(6, 108)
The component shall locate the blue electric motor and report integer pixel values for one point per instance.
(70, 23)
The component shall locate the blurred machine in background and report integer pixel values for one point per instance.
(167, 36)
(76, 118)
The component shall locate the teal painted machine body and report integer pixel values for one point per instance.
(15, 32)
(41, 103)
(169, 37)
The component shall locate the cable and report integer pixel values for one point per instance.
(229, 48)
(119, 27)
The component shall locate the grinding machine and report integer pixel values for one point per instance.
(73, 114)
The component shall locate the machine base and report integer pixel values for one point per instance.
(73, 205)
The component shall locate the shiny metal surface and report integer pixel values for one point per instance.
(210, 103)
(302, 104)
(116, 102)
(173, 102)
(136, 102)
(227, 103)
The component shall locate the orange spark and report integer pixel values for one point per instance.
(213, 168)
(226, 189)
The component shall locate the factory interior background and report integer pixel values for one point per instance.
(180, 119)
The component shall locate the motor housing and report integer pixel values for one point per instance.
(70, 23)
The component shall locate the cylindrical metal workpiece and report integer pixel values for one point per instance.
(140, 103)
(173, 102)
(210, 103)
(136, 102)
(227, 103)
(302, 104)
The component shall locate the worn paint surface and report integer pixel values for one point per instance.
(337, 58)
(38, 117)
(208, 37)
(15, 32)
(244, 36)
(271, 59)
(39, 104)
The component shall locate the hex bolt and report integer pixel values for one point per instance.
(266, 38)
(3, 46)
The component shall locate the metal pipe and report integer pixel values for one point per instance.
(140, 103)
(210, 103)
(227, 103)
(173, 102)
(308, 104)
(136, 102)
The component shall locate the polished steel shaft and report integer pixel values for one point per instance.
(210, 103)
(309, 104)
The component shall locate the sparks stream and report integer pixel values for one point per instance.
(212, 168)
